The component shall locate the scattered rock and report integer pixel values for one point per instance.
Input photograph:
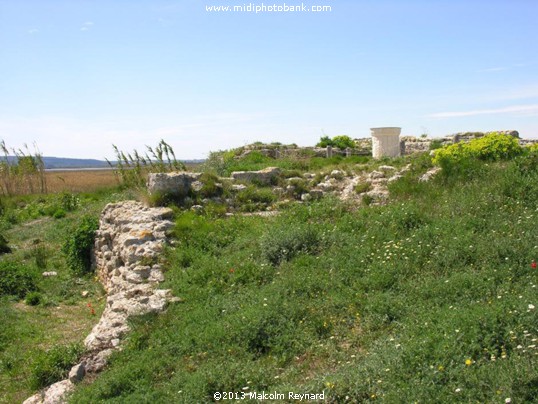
(238, 187)
(85, 293)
(197, 186)
(77, 372)
(337, 174)
(376, 174)
(429, 174)
(387, 168)
(306, 197)
(50, 273)
(278, 190)
(55, 394)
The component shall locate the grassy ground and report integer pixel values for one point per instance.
(428, 299)
(33, 336)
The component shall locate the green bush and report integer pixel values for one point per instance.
(492, 147)
(54, 364)
(33, 298)
(16, 279)
(253, 198)
(68, 201)
(4, 247)
(209, 186)
(282, 244)
(78, 247)
(342, 142)
(59, 213)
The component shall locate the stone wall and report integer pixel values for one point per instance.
(128, 243)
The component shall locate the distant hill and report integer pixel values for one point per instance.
(65, 162)
(62, 162)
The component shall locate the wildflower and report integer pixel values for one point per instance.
(232, 270)
(468, 362)
(531, 306)
(533, 264)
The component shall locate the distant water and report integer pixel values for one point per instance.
(79, 169)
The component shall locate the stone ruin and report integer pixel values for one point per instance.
(386, 142)
(128, 243)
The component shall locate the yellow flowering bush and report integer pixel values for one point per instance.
(491, 147)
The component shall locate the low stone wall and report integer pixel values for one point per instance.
(128, 243)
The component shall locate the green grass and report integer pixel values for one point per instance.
(224, 163)
(423, 300)
(41, 320)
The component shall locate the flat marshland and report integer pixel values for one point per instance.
(80, 180)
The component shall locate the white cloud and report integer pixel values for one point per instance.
(86, 26)
(516, 109)
(33, 31)
(493, 69)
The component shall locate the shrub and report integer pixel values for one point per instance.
(285, 243)
(257, 196)
(299, 187)
(68, 201)
(4, 247)
(528, 163)
(367, 200)
(342, 142)
(210, 187)
(492, 147)
(16, 279)
(54, 364)
(362, 187)
(436, 144)
(78, 247)
(40, 254)
(59, 213)
(33, 298)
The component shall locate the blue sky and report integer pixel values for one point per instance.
(78, 76)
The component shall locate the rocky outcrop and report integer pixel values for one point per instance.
(128, 242)
(263, 177)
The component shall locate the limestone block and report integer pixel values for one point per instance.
(178, 183)
(263, 177)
